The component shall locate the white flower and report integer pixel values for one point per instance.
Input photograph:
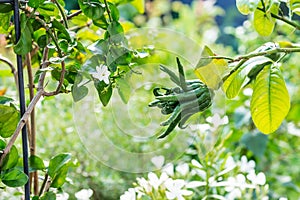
(259, 179)
(84, 194)
(102, 73)
(238, 181)
(155, 181)
(145, 185)
(129, 195)
(247, 166)
(169, 169)
(234, 194)
(217, 121)
(182, 169)
(158, 161)
(62, 196)
(175, 190)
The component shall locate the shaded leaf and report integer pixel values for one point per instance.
(14, 178)
(270, 101)
(48, 9)
(124, 89)
(60, 177)
(79, 93)
(255, 142)
(92, 8)
(4, 100)
(24, 44)
(104, 92)
(48, 196)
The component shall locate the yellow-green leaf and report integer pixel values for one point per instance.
(139, 5)
(264, 23)
(234, 83)
(211, 71)
(295, 6)
(246, 6)
(270, 101)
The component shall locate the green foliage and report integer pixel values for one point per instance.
(9, 117)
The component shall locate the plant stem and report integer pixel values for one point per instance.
(43, 184)
(108, 11)
(63, 14)
(32, 141)
(13, 69)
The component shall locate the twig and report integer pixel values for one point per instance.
(63, 14)
(60, 83)
(43, 184)
(74, 14)
(13, 69)
(21, 124)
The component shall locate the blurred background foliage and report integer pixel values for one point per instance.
(217, 24)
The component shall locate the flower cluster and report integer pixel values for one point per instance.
(234, 180)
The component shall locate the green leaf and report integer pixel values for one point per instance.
(48, 9)
(36, 163)
(59, 26)
(5, 8)
(211, 71)
(139, 5)
(104, 91)
(124, 89)
(9, 117)
(14, 178)
(11, 159)
(35, 3)
(114, 12)
(92, 8)
(4, 100)
(234, 83)
(48, 196)
(270, 101)
(295, 6)
(24, 44)
(264, 23)
(5, 20)
(60, 177)
(246, 6)
(57, 162)
(79, 93)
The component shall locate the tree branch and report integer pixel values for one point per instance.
(13, 69)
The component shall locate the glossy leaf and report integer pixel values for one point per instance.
(57, 162)
(270, 101)
(14, 178)
(48, 196)
(246, 6)
(264, 23)
(24, 44)
(36, 163)
(9, 118)
(60, 177)
(59, 26)
(104, 92)
(234, 83)
(11, 159)
(5, 8)
(124, 89)
(48, 9)
(211, 71)
(92, 8)
(35, 3)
